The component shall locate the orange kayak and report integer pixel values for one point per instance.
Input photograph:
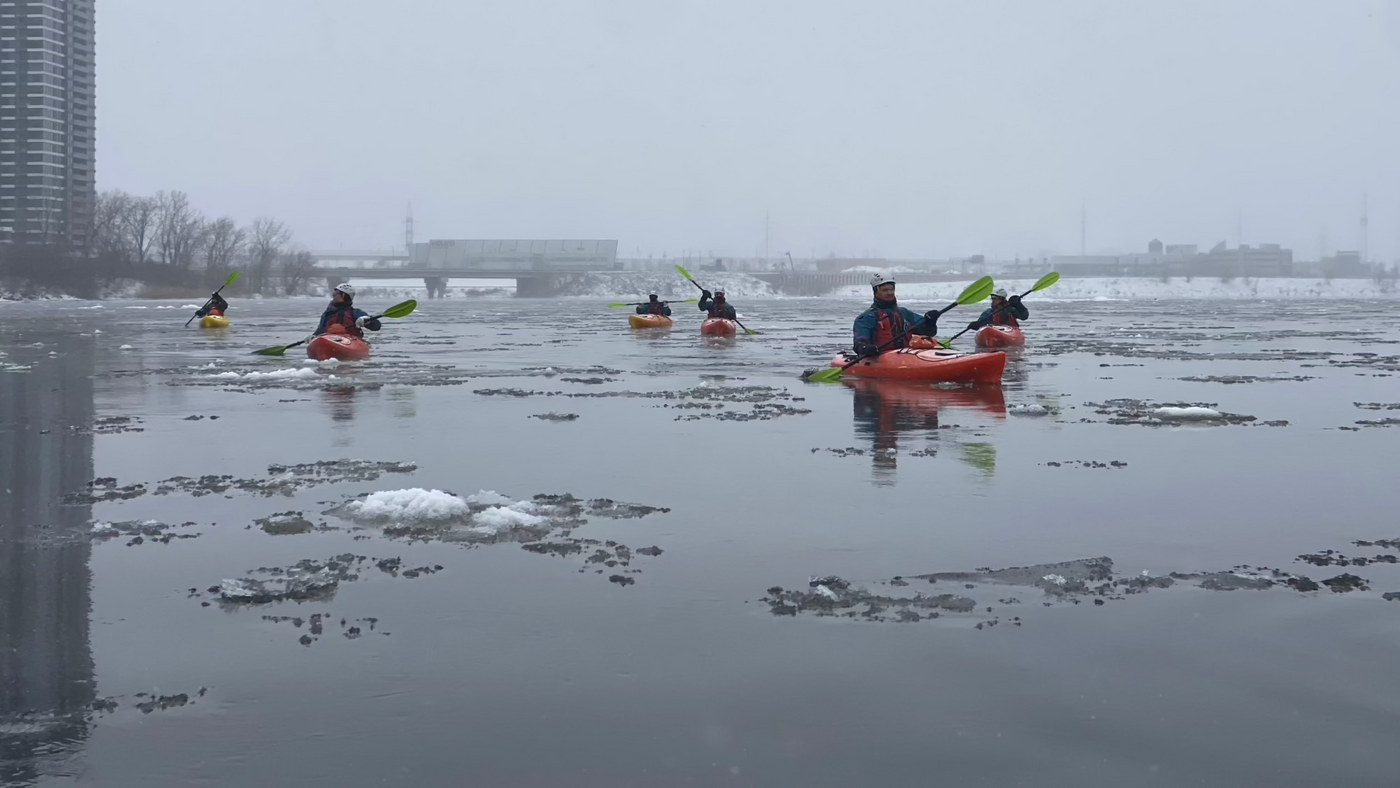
(649, 321)
(338, 346)
(935, 366)
(719, 327)
(1000, 336)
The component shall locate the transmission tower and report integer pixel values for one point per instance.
(408, 232)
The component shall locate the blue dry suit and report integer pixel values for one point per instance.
(660, 308)
(887, 326)
(346, 316)
(1007, 315)
(721, 309)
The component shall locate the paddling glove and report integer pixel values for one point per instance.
(866, 349)
(1014, 300)
(974, 325)
(931, 321)
(360, 321)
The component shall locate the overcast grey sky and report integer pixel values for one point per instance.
(901, 129)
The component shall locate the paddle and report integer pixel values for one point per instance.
(644, 303)
(233, 277)
(1045, 281)
(975, 292)
(397, 310)
(687, 275)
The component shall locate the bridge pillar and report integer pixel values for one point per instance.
(535, 286)
(437, 286)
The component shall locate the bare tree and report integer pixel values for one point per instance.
(105, 232)
(223, 243)
(297, 269)
(138, 228)
(180, 229)
(267, 240)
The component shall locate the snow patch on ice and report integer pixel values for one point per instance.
(414, 503)
(279, 374)
(489, 498)
(1032, 409)
(503, 518)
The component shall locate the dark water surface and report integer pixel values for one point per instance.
(512, 667)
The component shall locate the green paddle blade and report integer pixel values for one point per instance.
(828, 375)
(619, 306)
(233, 277)
(977, 291)
(401, 310)
(685, 274)
(271, 351)
(1045, 281)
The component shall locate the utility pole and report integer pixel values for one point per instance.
(408, 233)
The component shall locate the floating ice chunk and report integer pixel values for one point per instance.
(1186, 414)
(503, 518)
(101, 527)
(277, 589)
(126, 347)
(330, 362)
(549, 372)
(489, 498)
(188, 306)
(1058, 580)
(414, 503)
(827, 592)
(279, 374)
(1033, 409)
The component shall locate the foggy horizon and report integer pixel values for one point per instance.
(898, 129)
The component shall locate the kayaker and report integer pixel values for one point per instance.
(1003, 312)
(215, 307)
(654, 307)
(342, 312)
(714, 305)
(886, 325)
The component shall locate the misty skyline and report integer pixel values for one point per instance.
(899, 129)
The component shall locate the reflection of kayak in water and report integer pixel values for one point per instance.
(916, 396)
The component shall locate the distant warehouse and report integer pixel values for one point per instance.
(515, 256)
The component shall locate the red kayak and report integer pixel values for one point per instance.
(1000, 336)
(935, 366)
(719, 327)
(338, 346)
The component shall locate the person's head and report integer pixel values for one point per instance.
(719, 295)
(999, 297)
(652, 298)
(343, 294)
(883, 286)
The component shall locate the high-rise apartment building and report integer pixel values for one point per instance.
(48, 125)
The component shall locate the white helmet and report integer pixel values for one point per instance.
(345, 288)
(880, 279)
(1000, 292)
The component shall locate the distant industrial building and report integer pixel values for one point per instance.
(1183, 260)
(48, 127)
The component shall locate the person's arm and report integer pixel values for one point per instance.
(984, 320)
(863, 335)
(363, 320)
(730, 312)
(666, 310)
(1018, 309)
(321, 327)
(925, 325)
(641, 309)
(705, 301)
